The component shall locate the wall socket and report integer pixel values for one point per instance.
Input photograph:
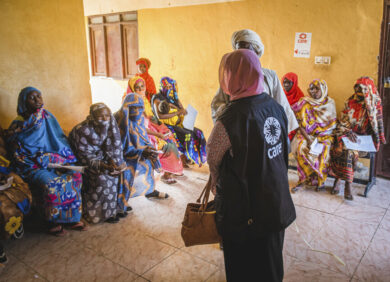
(322, 60)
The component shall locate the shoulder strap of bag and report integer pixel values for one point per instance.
(204, 196)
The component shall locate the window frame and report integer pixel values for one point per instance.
(125, 67)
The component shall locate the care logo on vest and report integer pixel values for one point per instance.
(272, 131)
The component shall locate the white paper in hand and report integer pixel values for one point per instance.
(316, 148)
(363, 143)
(189, 118)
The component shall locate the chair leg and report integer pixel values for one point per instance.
(371, 178)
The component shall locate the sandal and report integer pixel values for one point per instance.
(320, 188)
(157, 194)
(168, 180)
(58, 231)
(18, 233)
(112, 219)
(3, 257)
(79, 226)
(122, 214)
(296, 188)
(335, 191)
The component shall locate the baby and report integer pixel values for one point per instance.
(165, 108)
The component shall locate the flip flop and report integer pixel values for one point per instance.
(295, 189)
(320, 188)
(168, 180)
(112, 219)
(157, 194)
(58, 232)
(335, 191)
(79, 226)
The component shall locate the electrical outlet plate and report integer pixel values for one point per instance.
(318, 60)
(326, 60)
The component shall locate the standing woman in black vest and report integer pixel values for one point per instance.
(248, 153)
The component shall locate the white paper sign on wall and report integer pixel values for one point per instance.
(302, 44)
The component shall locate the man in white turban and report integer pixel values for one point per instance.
(248, 39)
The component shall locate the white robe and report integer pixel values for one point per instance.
(272, 87)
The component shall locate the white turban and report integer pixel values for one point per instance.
(249, 36)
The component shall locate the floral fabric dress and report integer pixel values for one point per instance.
(93, 144)
(318, 118)
(38, 142)
(15, 200)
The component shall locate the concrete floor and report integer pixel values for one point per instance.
(147, 246)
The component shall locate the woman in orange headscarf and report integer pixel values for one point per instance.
(293, 93)
(143, 67)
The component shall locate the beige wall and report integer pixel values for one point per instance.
(188, 42)
(43, 45)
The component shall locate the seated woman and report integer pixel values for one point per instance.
(192, 144)
(37, 140)
(97, 144)
(159, 135)
(293, 93)
(143, 67)
(139, 154)
(15, 199)
(316, 116)
(362, 115)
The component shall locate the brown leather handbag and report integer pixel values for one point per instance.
(198, 226)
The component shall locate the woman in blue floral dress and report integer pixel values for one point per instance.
(36, 140)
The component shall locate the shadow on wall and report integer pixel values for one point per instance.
(7, 101)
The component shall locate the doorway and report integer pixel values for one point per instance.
(383, 156)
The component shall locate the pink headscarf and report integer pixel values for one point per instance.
(240, 74)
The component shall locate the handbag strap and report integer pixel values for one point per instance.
(204, 196)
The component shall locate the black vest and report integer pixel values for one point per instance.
(253, 192)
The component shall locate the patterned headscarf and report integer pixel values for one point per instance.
(131, 122)
(22, 106)
(131, 83)
(374, 107)
(169, 89)
(324, 107)
(240, 74)
(295, 93)
(94, 142)
(249, 36)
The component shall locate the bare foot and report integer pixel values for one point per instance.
(336, 189)
(320, 188)
(296, 188)
(348, 191)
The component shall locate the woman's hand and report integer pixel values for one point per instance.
(352, 136)
(149, 153)
(307, 137)
(109, 167)
(160, 135)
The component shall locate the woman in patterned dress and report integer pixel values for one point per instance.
(97, 144)
(316, 116)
